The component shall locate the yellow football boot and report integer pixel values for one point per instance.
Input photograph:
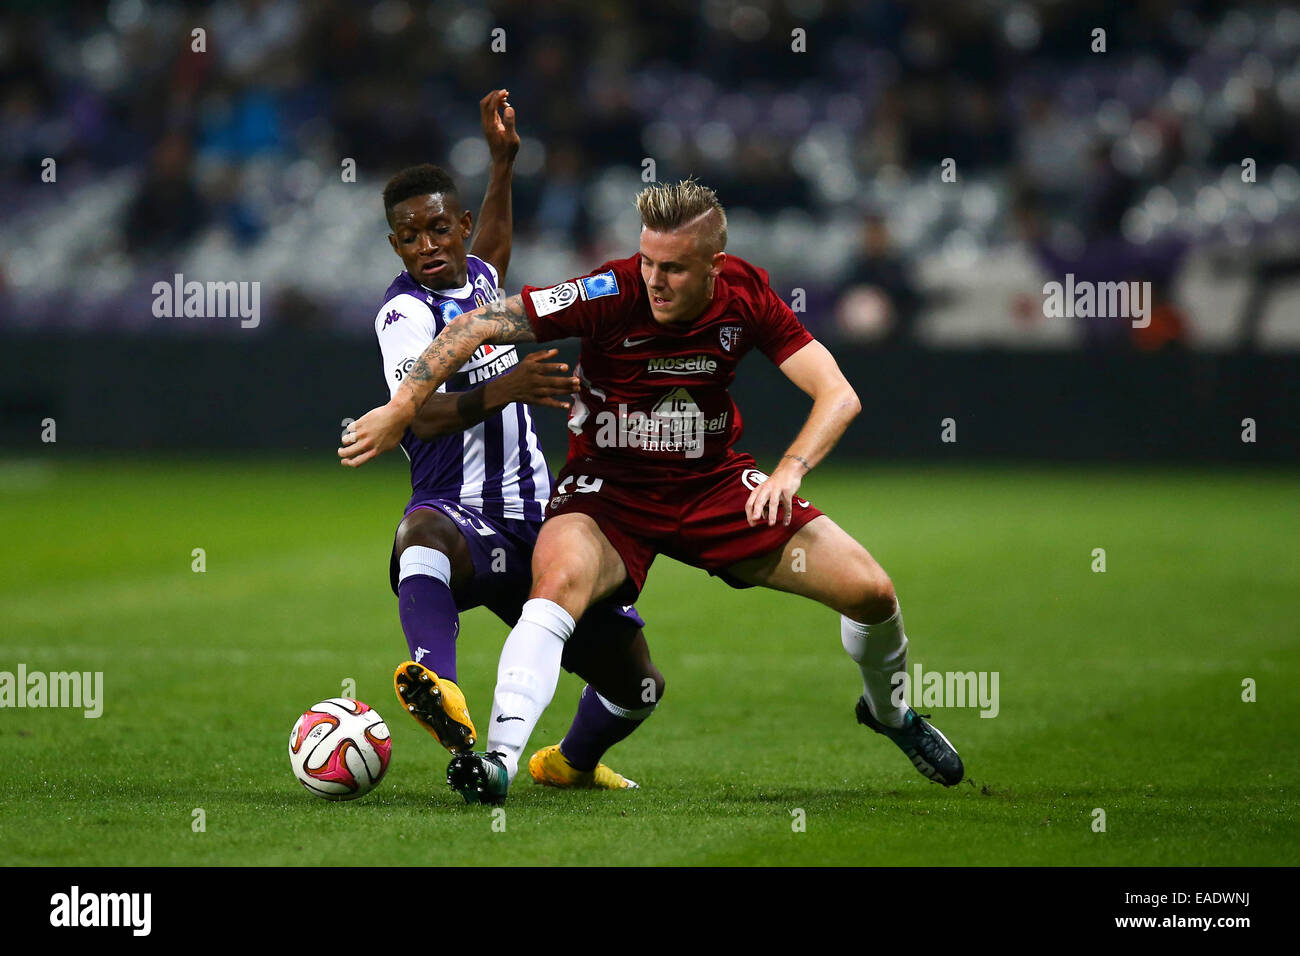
(551, 768)
(437, 704)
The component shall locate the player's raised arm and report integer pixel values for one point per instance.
(380, 429)
(835, 404)
(491, 241)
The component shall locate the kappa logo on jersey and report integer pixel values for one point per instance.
(392, 317)
(692, 365)
(599, 285)
(729, 336)
(557, 297)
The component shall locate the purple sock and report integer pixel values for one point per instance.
(430, 623)
(594, 730)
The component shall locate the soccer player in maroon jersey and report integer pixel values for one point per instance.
(651, 469)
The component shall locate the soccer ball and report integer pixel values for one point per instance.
(339, 749)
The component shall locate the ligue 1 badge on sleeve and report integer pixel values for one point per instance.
(557, 297)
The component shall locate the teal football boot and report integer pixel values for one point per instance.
(479, 778)
(928, 749)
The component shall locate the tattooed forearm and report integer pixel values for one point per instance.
(510, 322)
(451, 349)
(500, 321)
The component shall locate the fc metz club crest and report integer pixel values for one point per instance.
(729, 335)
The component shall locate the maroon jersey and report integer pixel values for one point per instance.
(657, 393)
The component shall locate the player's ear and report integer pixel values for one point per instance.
(466, 224)
(392, 241)
(719, 260)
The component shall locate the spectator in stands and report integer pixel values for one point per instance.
(877, 300)
(168, 209)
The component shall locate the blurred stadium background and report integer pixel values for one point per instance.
(227, 165)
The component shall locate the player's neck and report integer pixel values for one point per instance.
(455, 290)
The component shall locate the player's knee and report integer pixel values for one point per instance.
(642, 694)
(564, 584)
(424, 529)
(875, 599)
(652, 687)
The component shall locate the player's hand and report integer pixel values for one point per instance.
(774, 496)
(535, 381)
(374, 433)
(499, 129)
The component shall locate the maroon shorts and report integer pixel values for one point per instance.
(696, 517)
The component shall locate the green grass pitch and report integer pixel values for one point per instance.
(1119, 690)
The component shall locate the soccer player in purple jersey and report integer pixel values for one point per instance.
(651, 467)
(478, 478)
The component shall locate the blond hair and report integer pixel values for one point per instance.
(665, 207)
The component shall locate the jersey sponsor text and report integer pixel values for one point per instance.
(679, 365)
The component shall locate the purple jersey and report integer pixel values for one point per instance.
(496, 467)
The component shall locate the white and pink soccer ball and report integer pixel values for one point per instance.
(339, 749)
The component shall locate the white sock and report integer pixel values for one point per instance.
(526, 677)
(638, 713)
(429, 562)
(881, 652)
